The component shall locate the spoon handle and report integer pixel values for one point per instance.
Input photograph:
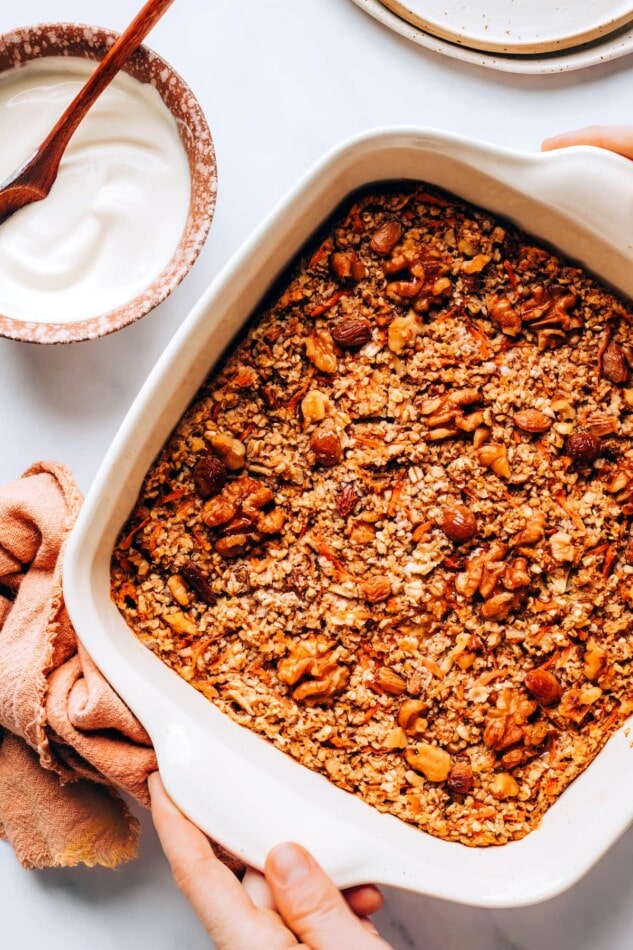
(52, 148)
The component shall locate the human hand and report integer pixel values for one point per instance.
(616, 138)
(293, 903)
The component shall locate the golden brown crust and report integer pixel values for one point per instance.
(392, 534)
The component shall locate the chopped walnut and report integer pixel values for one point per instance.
(434, 763)
(320, 351)
(403, 331)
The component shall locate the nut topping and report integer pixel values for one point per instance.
(614, 366)
(575, 704)
(316, 664)
(320, 351)
(503, 786)
(390, 681)
(475, 265)
(385, 238)
(209, 475)
(533, 421)
(197, 582)
(460, 778)
(411, 717)
(351, 332)
(504, 315)
(434, 763)
(178, 590)
(583, 447)
(341, 265)
(458, 523)
(495, 457)
(326, 446)
(346, 500)
(544, 686)
(403, 331)
(376, 589)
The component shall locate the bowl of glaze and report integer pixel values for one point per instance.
(241, 790)
(140, 276)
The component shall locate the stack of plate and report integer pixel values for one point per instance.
(521, 36)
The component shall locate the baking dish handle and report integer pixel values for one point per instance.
(592, 185)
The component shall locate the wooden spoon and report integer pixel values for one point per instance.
(33, 180)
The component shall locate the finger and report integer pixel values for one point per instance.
(257, 888)
(364, 900)
(616, 138)
(311, 905)
(225, 909)
(369, 926)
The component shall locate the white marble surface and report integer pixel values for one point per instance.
(280, 82)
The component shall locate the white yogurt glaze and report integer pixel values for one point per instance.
(115, 215)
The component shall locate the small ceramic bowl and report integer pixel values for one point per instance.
(88, 42)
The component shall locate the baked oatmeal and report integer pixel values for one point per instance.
(392, 533)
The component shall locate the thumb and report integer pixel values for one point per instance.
(311, 905)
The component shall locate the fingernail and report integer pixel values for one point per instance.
(289, 863)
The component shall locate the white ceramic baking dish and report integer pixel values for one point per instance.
(237, 787)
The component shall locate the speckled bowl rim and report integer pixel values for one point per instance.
(24, 44)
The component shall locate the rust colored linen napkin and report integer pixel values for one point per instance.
(67, 741)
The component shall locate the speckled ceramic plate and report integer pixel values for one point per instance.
(613, 46)
(516, 26)
(239, 788)
(89, 42)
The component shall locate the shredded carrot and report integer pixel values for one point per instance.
(447, 315)
(322, 308)
(432, 667)
(250, 428)
(339, 743)
(370, 713)
(491, 676)
(298, 396)
(354, 220)
(320, 252)
(197, 651)
(551, 660)
(244, 380)
(421, 530)
(396, 496)
(512, 277)
(569, 509)
(609, 560)
(172, 496)
(366, 440)
(430, 199)
(552, 752)
(539, 606)
(611, 718)
(541, 633)
(202, 540)
(542, 448)
(126, 543)
(484, 343)
(325, 552)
